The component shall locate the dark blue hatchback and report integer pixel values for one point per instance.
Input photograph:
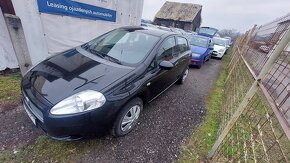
(103, 85)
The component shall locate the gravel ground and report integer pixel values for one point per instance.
(164, 125)
(17, 130)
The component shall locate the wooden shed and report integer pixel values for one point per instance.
(186, 16)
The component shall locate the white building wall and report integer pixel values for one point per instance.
(27, 11)
(7, 53)
(47, 34)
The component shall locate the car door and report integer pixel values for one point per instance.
(161, 79)
(182, 56)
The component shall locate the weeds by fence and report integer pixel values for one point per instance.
(256, 110)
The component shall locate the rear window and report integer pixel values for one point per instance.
(198, 41)
(123, 46)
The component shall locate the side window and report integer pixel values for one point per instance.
(152, 66)
(166, 50)
(182, 45)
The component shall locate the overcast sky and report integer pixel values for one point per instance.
(229, 14)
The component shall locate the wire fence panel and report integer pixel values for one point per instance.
(257, 136)
(236, 88)
(255, 123)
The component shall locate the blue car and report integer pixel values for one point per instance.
(201, 48)
(207, 31)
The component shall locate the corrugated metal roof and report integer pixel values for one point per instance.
(178, 11)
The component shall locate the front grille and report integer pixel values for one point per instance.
(32, 108)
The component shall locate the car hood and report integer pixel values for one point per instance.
(71, 72)
(218, 47)
(198, 49)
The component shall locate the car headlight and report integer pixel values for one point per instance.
(221, 50)
(195, 55)
(80, 102)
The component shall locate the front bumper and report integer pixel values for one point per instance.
(76, 126)
(217, 54)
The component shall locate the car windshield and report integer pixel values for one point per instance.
(197, 41)
(122, 46)
(218, 41)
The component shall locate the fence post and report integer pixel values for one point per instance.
(278, 49)
(19, 42)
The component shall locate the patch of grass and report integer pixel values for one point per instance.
(48, 150)
(10, 89)
(196, 148)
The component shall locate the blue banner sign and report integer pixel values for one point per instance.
(76, 9)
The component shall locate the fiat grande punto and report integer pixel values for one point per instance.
(103, 85)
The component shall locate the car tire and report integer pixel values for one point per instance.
(183, 77)
(202, 63)
(128, 118)
(199, 66)
(208, 58)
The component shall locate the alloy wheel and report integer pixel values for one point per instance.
(130, 118)
(184, 75)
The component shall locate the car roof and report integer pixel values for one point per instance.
(220, 38)
(149, 30)
(201, 36)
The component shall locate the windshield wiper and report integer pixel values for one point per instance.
(93, 51)
(104, 56)
(85, 46)
(113, 59)
(219, 44)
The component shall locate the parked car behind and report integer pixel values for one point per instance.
(229, 38)
(220, 47)
(228, 43)
(207, 31)
(104, 83)
(201, 48)
(148, 25)
(165, 28)
(264, 48)
(178, 30)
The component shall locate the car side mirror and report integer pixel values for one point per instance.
(166, 65)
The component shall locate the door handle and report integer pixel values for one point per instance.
(148, 84)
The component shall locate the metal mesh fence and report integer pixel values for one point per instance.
(257, 136)
(237, 84)
(256, 110)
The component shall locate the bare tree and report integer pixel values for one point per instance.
(232, 33)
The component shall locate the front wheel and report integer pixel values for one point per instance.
(183, 77)
(198, 66)
(127, 119)
(209, 56)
